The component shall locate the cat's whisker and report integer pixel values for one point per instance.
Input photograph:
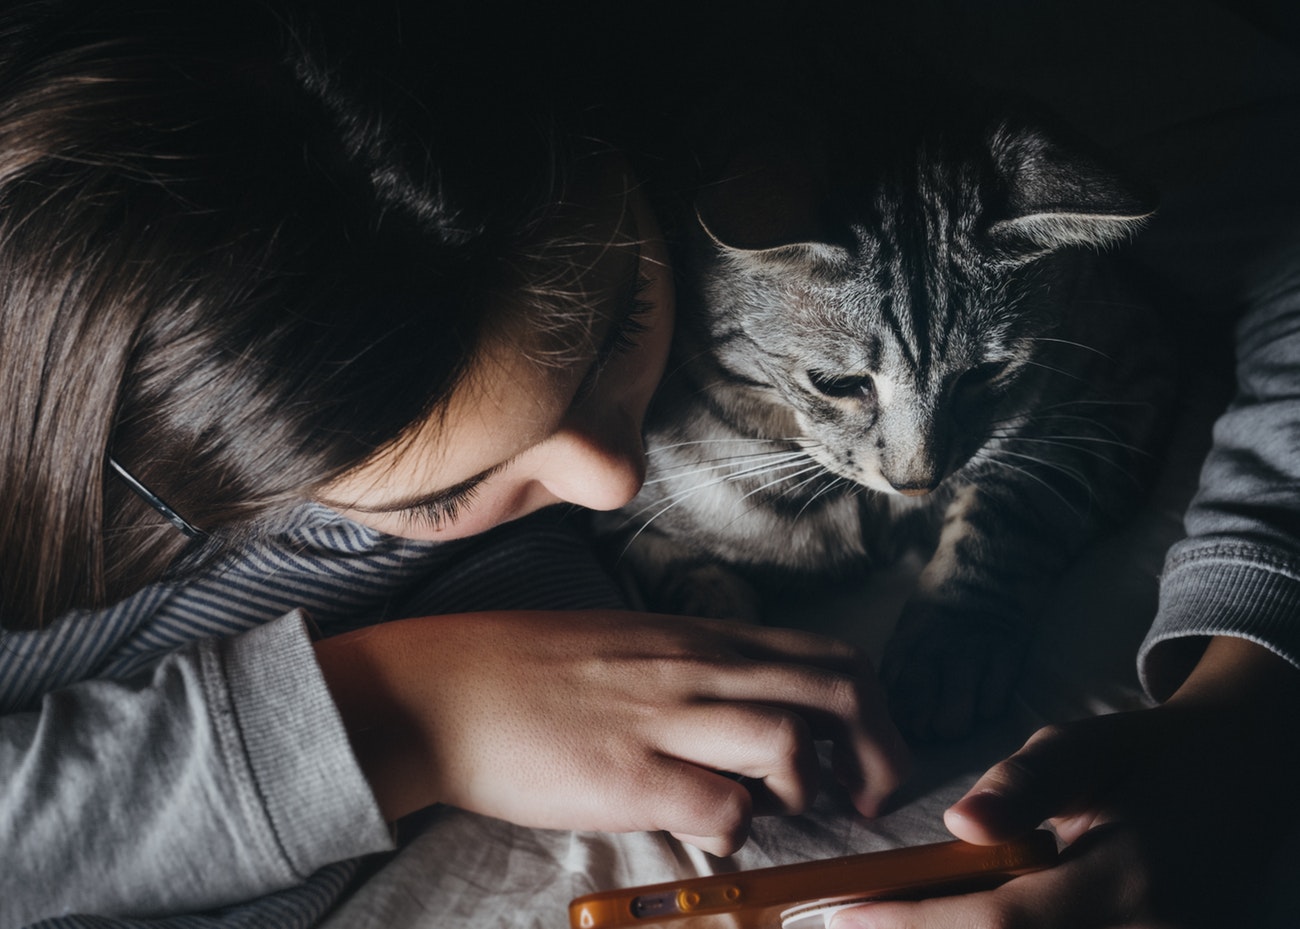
(1071, 438)
(763, 448)
(1051, 426)
(746, 456)
(987, 455)
(825, 489)
(1074, 474)
(794, 460)
(677, 498)
(1072, 344)
(646, 525)
(687, 492)
(1097, 401)
(758, 462)
(750, 440)
(810, 468)
(1077, 475)
(1093, 402)
(813, 469)
(1040, 419)
(1053, 369)
(805, 482)
(1072, 443)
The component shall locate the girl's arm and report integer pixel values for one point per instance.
(220, 774)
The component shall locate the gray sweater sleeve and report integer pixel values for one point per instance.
(221, 774)
(1237, 573)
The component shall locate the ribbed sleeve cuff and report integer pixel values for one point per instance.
(317, 801)
(1215, 588)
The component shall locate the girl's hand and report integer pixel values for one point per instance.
(610, 721)
(1171, 813)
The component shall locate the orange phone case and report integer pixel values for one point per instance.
(796, 895)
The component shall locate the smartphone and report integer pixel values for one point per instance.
(800, 896)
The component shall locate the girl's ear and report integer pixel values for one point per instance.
(1057, 194)
(770, 203)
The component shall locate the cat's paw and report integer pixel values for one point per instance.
(946, 669)
(712, 591)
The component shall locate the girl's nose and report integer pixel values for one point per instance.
(600, 466)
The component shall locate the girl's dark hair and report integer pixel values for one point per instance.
(239, 257)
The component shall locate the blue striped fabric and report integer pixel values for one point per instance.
(344, 576)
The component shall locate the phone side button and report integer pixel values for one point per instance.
(690, 901)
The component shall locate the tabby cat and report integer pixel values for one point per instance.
(903, 340)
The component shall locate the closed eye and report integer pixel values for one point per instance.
(982, 377)
(438, 512)
(841, 386)
(623, 335)
(979, 387)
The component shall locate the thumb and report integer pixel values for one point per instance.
(1058, 773)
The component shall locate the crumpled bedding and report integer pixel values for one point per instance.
(1119, 70)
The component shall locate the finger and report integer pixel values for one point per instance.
(698, 806)
(1091, 887)
(847, 708)
(942, 913)
(720, 848)
(871, 759)
(1057, 772)
(770, 746)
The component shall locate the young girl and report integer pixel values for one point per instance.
(292, 311)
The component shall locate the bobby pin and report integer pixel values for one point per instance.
(155, 501)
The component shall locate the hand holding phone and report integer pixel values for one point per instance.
(799, 896)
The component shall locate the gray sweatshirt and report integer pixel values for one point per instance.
(1238, 571)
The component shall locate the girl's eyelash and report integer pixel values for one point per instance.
(441, 512)
(623, 337)
(634, 323)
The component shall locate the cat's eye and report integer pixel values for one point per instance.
(841, 386)
(979, 382)
(982, 375)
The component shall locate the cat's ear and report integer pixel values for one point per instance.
(1057, 194)
(770, 204)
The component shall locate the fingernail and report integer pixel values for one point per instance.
(858, 917)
